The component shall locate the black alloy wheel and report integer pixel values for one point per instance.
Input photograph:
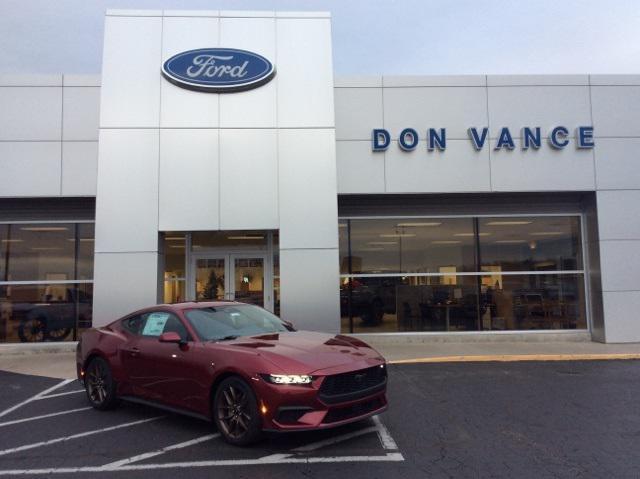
(99, 384)
(33, 330)
(235, 412)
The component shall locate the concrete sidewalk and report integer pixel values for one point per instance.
(54, 365)
(58, 359)
(505, 351)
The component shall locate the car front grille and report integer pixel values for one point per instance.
(353, 385)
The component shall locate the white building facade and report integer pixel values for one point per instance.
(370, 205)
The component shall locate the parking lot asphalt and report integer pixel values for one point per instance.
(534, 419)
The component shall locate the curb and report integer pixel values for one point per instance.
(519, 357)
(24, 349)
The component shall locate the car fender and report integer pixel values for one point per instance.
(95, 342)
(255, 364)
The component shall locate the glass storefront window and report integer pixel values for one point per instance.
(41, 252)
(174, 255)
(417, 303)
(461, 274)
(550, 243)
(205, 239)
(438, 245)
(44, 312)
(86, 246)
(57, 258)
(4, 243)
(537, 301)
(343, 245)
(174, 246)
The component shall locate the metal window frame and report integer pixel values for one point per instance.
(47, 222)
(45, 282)
(463, 273)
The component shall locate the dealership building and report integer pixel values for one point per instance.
(217, 156)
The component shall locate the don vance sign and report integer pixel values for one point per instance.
(557, 137)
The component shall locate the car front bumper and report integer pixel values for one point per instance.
(302, 408)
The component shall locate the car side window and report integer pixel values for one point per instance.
(173, 324)
(160, 322)
(133, 324)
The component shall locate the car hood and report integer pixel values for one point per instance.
(306, 352)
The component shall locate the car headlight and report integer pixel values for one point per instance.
(287, 378)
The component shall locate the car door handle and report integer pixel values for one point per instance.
(133, 352)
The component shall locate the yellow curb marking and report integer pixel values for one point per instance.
(519, 357)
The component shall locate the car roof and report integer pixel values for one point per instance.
(196, 304)
(180, 307)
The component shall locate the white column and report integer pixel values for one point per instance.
(309, 265)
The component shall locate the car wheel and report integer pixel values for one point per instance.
(235, 412)
(32, 330)
(59, 334)
(99, 384)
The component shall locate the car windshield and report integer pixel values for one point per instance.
(232, 321)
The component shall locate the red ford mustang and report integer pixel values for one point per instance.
(233, 363)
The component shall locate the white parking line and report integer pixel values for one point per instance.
(394, 456)
(147, 455)
(49, 396)
(75, 436)
(35, 397)
(334, 440)
(294, 456)
(385, 437)
(267, 460)
(34, 418)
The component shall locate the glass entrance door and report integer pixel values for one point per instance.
(232, 277)
(210, 276)
(248, 279)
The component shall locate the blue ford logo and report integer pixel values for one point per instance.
(218, 70)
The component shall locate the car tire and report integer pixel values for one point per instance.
(235, 412)
(100, 385)
(33, 330)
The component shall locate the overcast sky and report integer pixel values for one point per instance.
(369, 36)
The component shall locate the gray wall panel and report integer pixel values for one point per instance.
(225, 163)
(310, 301)
(30, 113)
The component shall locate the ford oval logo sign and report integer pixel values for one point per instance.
(218, 70)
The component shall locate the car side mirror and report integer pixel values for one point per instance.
(170, 337)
